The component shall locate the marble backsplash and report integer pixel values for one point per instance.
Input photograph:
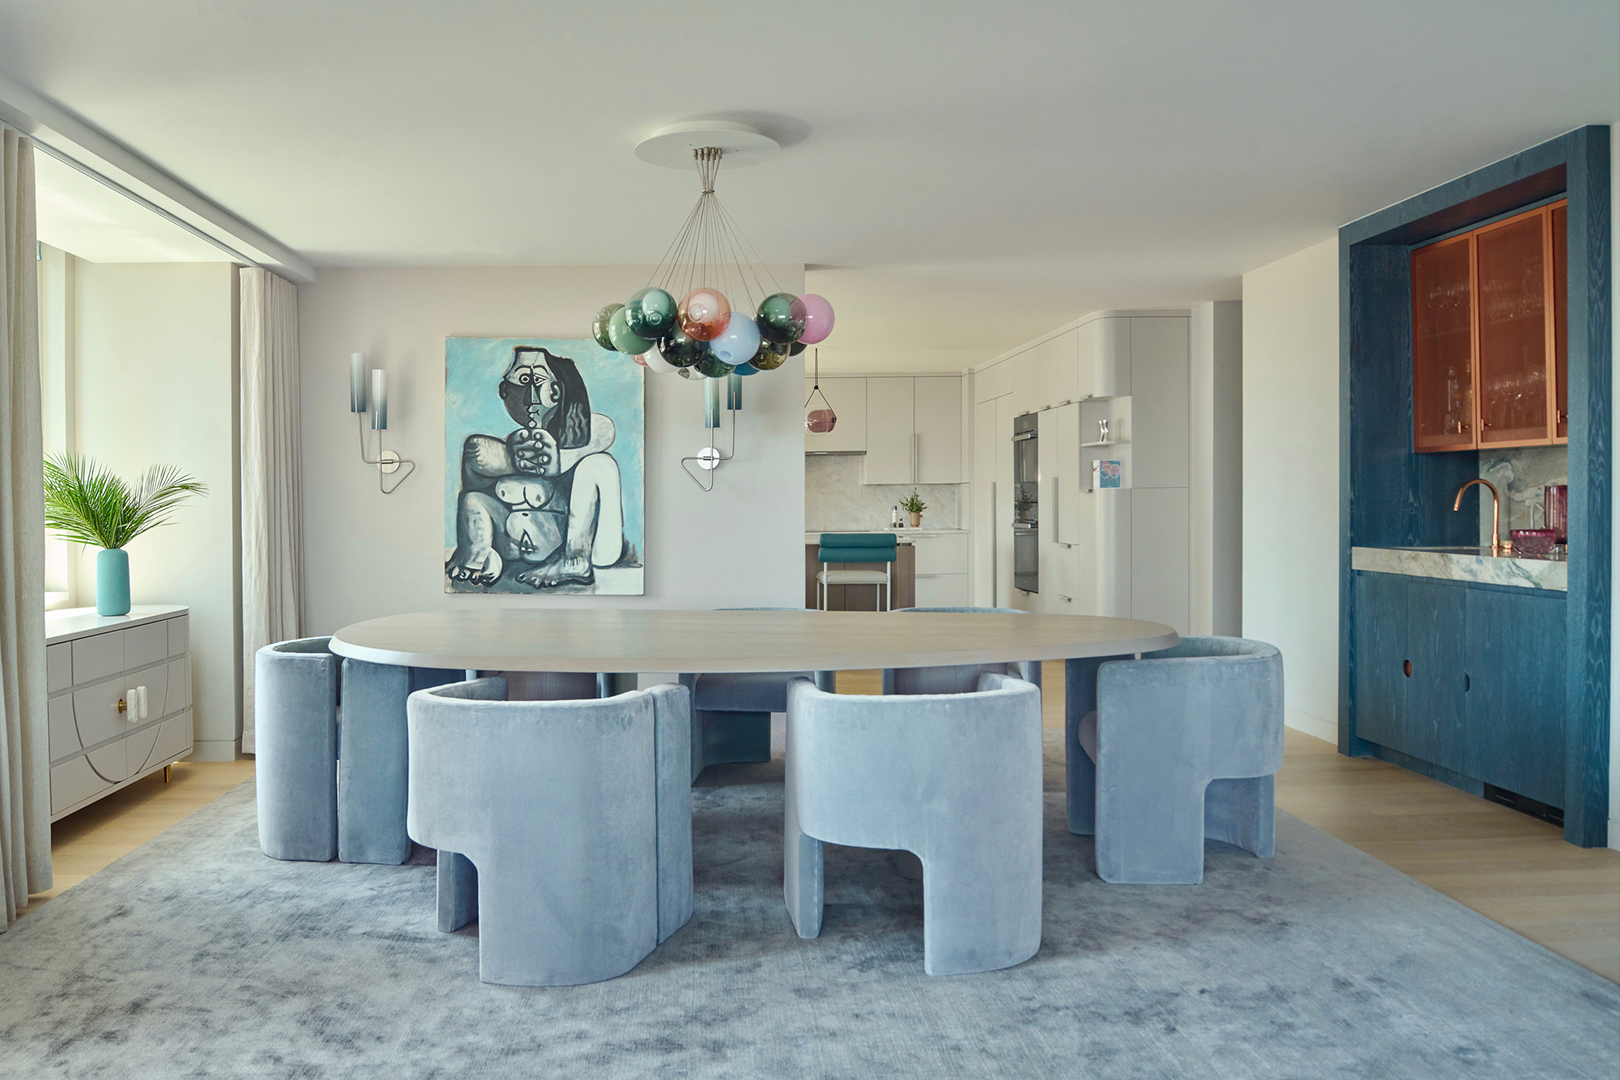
(1520, 474)
(835, 499)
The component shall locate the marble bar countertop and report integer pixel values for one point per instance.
(815, 537)
(1464, 564)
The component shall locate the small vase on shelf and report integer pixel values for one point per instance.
(916, 521)
(112, 582)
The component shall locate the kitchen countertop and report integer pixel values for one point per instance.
(815, 537)
(1464, 564)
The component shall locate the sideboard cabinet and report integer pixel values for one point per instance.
(1489, 336)
(119, 702)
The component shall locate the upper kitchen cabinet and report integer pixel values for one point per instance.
(914, 430)
(1104, 347)
(1489, 347)
(848, 400)
(1443, 345)
(1160, 417)
(1047, 373)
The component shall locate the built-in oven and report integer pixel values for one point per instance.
(1026, 503)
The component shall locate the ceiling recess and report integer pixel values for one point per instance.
(672, 146)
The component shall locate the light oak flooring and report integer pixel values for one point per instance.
(1508, 867)
(90, 840)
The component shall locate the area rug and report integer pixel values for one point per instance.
(196, 956)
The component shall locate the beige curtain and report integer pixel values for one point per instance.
(25, 779)
(272, 475)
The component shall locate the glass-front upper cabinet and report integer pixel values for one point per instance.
(1443, 345)
(1489, 336)
(1559, 217)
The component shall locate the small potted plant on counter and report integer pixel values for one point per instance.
(87, 503)
(914, 506)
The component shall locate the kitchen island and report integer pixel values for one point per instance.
(930, 570)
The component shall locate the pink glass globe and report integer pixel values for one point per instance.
(818, 319)
(820, 421)
(703, 314)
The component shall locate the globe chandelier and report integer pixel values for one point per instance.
(728, 320)
(733, 318)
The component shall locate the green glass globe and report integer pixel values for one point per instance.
(712, 367)
(624, 339)
(599, 325)
(781, 318)
(680, 350)
(650, 312)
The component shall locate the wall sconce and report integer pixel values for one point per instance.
(387, 461)
(710, 457)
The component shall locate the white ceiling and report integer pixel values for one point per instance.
(94, 222)
(959, 177)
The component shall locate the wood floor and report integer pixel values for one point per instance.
(1506, 866)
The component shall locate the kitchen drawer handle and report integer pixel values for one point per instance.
(1407, 668)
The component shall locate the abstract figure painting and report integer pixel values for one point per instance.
(544, 468)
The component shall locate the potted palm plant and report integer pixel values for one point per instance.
(914, 506)
(87, 503)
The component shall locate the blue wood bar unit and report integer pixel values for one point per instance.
(1505, 686)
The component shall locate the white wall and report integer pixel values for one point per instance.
(1291, 476)
(367, 554)
(155, 360)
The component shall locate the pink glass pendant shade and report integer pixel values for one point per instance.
(820, 421)
(703, 314)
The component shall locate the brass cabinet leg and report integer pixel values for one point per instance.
(168, 772)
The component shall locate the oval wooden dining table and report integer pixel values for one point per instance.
(625, 640)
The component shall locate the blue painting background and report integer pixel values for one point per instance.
(472, 406)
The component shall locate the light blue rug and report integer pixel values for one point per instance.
(195, 956)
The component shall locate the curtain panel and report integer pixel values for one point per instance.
(272, 475)
(25, 780)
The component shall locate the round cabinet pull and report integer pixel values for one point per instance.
(123, 706)
(1406, 666)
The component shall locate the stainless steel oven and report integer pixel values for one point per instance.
(1026, 503)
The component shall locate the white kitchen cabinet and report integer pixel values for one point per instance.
(1104, 357)
(1160, 568)
(891, 450)
(993, 382)
(1001, 529)
(937, 426)
(984, 503)
(1046, 374)
(941, 569)
(913, 430)
(848, 399)
(119, 705)
(1160, 413)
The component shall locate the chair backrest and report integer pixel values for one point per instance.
(857, 548)
(961, 678)
(875, 771)
(1233, 687)
(479, 763)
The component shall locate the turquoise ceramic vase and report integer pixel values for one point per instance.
(112, 582)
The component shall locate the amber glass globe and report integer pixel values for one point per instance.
(703, 314)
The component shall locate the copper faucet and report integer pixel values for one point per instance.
(1498, 545)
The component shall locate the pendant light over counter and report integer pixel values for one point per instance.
(820, 419)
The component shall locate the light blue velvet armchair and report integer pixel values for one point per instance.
(961, 678)
(953, 778)
(296, 739)
(731, 711)
(576, 814)
(1176, 747)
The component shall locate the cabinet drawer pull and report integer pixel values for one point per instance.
(1468, 684)
(1406, 667)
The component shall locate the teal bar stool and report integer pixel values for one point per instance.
(857, 548)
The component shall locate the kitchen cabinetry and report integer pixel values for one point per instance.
(1464, 677)
(913, 430)
(1489, 341)
(119, 699)
(942, 564)
(848, 399)
(1104, 356)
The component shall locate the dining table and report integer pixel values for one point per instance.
(622, 641)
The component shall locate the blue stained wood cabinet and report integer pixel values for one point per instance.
(1463, 677)
(1516, 653)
